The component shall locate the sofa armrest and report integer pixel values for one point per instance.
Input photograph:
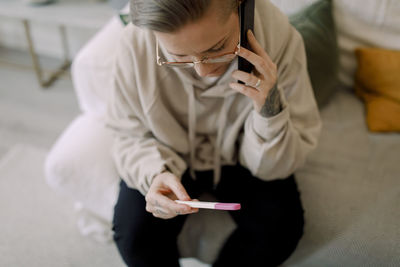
(91, 69)
(80, 165)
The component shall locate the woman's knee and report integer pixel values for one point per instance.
(280, 242)
(130, 226)
(139, 240)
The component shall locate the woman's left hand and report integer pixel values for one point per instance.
(262, 79)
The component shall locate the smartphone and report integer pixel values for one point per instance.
(246, 19)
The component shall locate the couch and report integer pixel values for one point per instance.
(350, 185)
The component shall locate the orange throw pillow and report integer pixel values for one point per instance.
(377, 82)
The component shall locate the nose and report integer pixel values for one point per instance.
(204, 69)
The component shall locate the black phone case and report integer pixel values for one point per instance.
(246, 15)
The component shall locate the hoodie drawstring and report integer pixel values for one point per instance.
(217, 152)
(192, 129)
(221, 123)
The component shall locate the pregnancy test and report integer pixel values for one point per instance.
(210, 205)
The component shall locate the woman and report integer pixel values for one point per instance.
(184, 125)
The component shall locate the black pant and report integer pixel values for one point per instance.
(269, 225)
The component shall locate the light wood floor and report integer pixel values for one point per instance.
(28, 113)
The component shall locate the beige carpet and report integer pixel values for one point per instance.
(38, 227)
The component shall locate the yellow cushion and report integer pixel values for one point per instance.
(377, 82)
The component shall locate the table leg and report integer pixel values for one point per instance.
(35, 60)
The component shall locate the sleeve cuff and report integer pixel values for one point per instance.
(177, 167)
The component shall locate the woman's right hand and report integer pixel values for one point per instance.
(160, 199)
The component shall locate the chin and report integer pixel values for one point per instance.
(218, 72)
(214, 75)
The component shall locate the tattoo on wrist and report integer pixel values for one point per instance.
(272, 105)
(158, 211)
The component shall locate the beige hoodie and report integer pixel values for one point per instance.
(166, 118)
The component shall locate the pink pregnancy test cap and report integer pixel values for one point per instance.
(227, 206)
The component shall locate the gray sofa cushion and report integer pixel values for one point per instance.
(315, 24)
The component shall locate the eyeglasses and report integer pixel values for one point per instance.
(225, 57)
